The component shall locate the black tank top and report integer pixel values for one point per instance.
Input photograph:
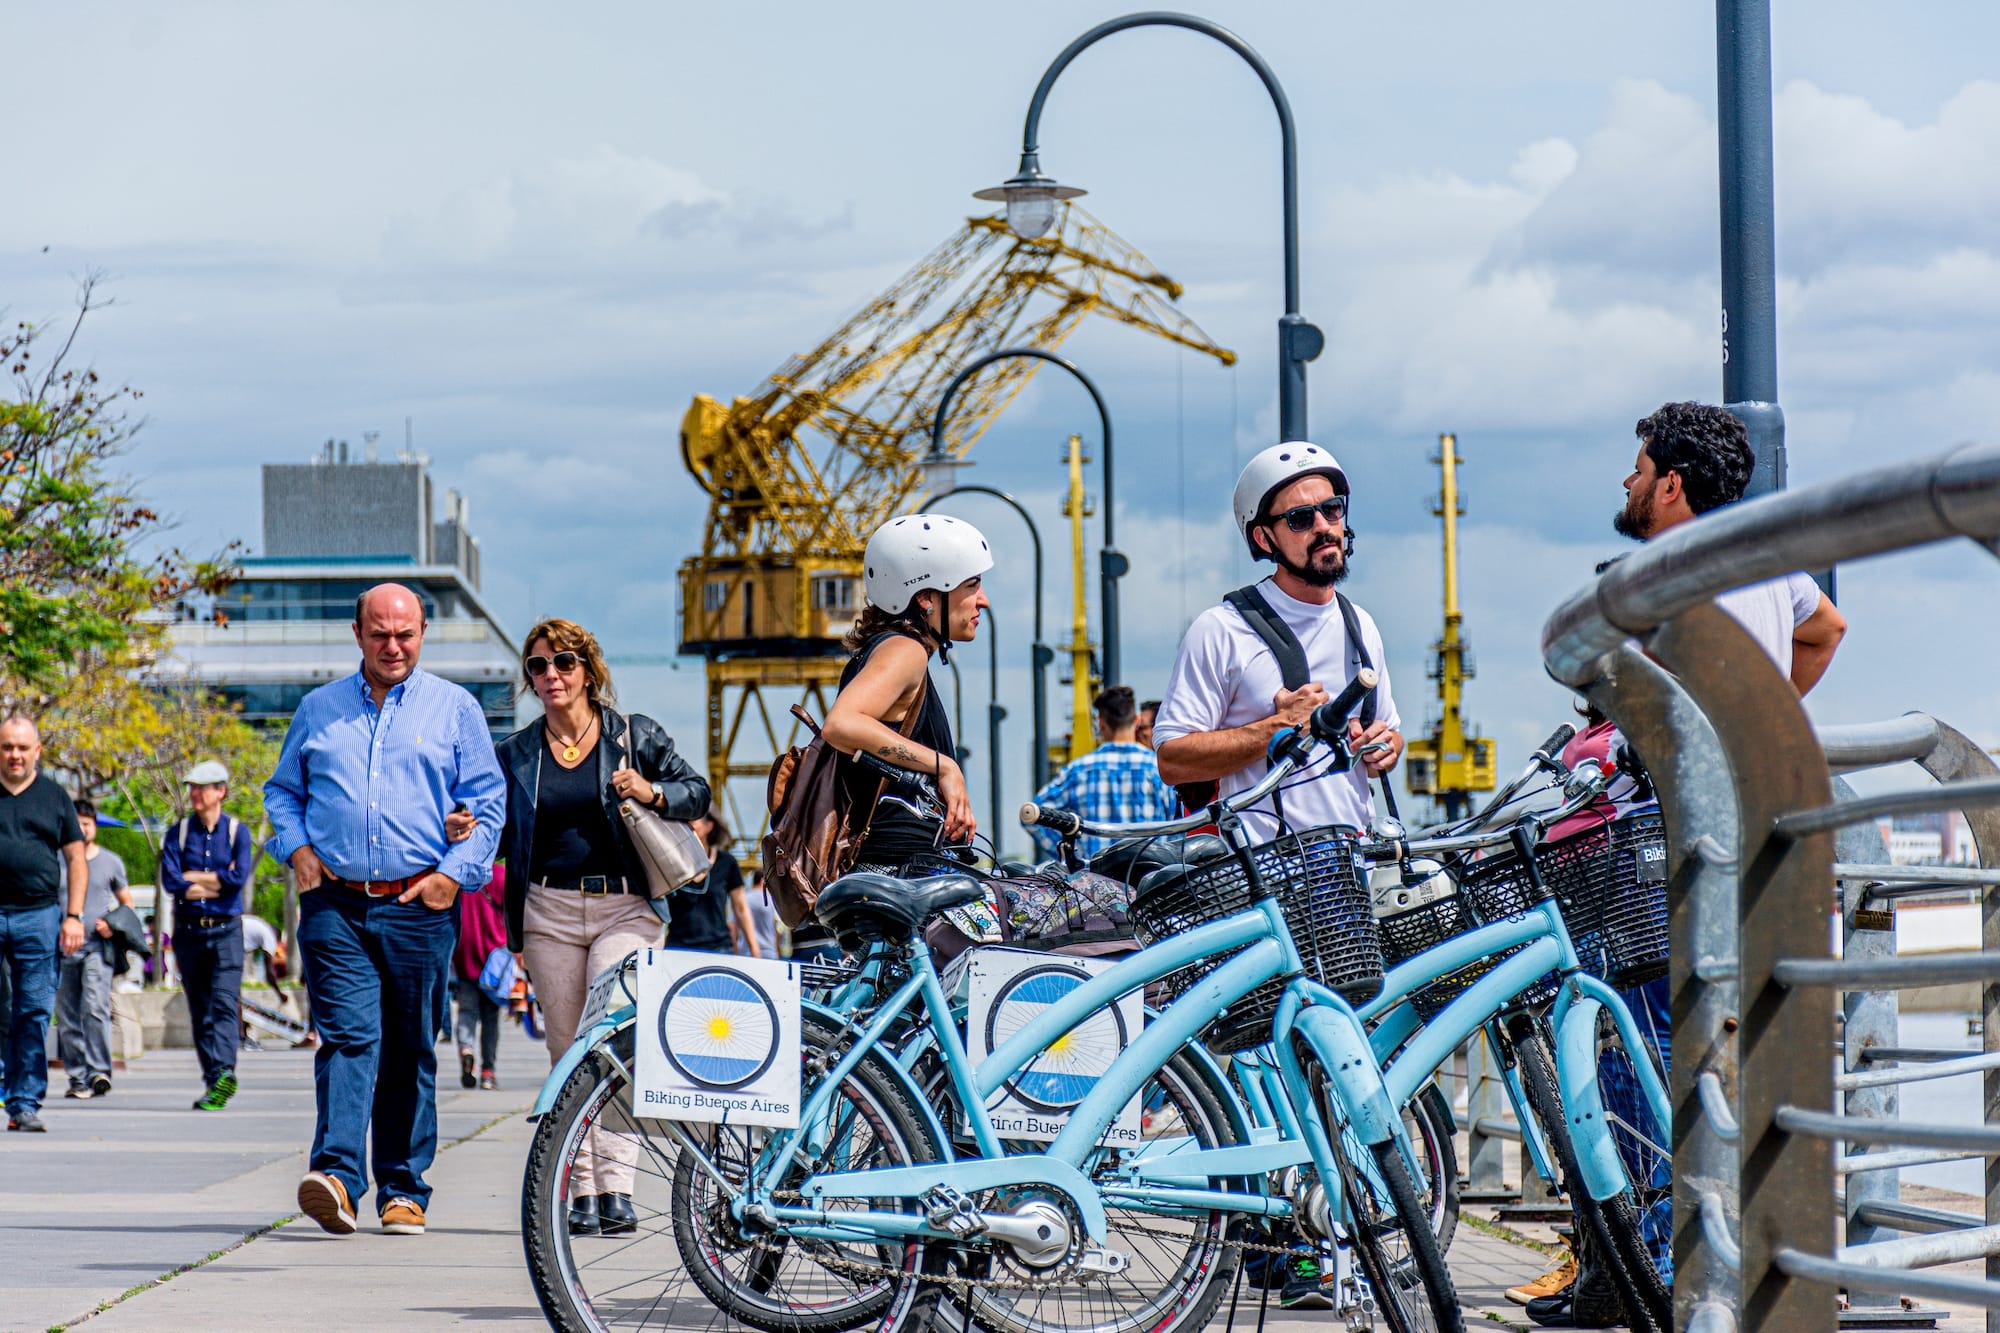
(895, 834)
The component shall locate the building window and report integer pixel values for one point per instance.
(749, 612)
(715, 596)
(832, 592)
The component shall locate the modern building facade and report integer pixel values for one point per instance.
(332, 529)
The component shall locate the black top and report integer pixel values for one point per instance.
(35, 826)
(573, 835)
(635, 742)
(701, 916)
(895, 834)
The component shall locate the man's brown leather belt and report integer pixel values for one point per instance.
(378, 888)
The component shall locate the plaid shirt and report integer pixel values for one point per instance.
(1117, 783)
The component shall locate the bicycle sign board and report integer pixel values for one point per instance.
(1007, 988)
(718, 1039)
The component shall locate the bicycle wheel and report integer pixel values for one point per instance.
(1389, 1228)
(645, 1279)
(790, 1284)
(1613, 1223)
(1178, 1267)
(1646, 1148)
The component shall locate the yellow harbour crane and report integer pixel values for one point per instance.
(805, 467)
(1449, 765)
(1083, 677)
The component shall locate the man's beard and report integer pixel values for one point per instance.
(1314, 571)
(1635, 520)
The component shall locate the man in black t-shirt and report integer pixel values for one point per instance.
(39, 839)
(701, 913)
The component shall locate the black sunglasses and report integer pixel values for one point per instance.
(563, 661)
(1300, 519)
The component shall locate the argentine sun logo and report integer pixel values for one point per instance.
(719, 1028)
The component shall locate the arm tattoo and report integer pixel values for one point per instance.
(900, 751)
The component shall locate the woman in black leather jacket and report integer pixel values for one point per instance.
(576, 890)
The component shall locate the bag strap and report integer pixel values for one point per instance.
(1357, 648)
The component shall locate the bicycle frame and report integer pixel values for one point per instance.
(1573, 1018)
(1263, 951)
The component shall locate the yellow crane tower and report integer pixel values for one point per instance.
(805, 467)
(1449, 765)
(1083, 677)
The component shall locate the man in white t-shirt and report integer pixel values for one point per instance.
(1694, 458)
(1228, 696)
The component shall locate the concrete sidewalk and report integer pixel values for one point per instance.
(125, 1191)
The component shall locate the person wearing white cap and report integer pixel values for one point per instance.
(206, 862)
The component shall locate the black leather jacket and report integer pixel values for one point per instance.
(652, 751)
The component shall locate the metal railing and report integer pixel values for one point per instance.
(1751, 812)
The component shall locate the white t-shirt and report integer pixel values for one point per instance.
(1771, 611)
(1226, 677)
(258, 935)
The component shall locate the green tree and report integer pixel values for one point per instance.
(74, 584)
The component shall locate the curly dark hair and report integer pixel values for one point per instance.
(1707, 445)
(873, 620)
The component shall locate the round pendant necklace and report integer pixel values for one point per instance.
(572, 751)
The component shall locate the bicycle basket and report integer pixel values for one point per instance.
(1416, 915)
(1326, 908)
(1610, 882)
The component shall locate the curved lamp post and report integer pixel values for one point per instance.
(1111, 565)
(1031, 198)
(1042, 654)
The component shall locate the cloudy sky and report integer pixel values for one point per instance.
(536, 232)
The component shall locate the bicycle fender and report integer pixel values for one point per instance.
(585, 1043)
(1343, 1047)
(1583, 1102)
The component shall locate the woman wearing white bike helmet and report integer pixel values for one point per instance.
(923, 582)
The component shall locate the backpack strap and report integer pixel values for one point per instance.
(1275, 633)
(1357, 648)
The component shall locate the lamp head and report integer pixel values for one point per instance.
(1031, 199)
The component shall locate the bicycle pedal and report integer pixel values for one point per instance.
(948, 1210)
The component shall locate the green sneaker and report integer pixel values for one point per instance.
(1302, 1290)
(219, 1092)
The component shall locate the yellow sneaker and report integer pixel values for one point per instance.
(1560, 1278)
(403, 1217)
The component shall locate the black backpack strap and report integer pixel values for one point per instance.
(1357, 647)
(1275, 633)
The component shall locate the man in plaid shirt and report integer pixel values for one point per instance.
(1117, 783)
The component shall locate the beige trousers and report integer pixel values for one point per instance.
(570, 938)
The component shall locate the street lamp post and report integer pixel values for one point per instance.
(1031, 198)
(1042, 655)
(1111, 563)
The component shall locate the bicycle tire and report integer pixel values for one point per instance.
(1201, 1273)
(1413, 1289)
(1646, 1149)
(1644, 1309)
(1429, 1119)
(560, 1265)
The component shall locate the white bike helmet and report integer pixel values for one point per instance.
(908, 555)
(1273, 469)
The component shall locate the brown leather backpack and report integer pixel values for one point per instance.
(814, 835)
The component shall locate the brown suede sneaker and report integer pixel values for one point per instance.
(1559, 1278)
(325, 1201)
(403, 1217)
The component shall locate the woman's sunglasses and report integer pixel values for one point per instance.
(1300, 519)
(539, 665)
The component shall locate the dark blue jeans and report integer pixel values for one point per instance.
(211, 963)
(380, 974)
(30, 944)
